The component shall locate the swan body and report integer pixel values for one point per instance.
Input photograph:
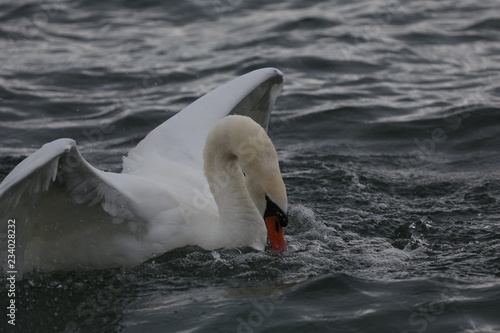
(208, 176)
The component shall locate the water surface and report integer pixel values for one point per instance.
(387, 133)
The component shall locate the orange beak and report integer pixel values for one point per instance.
(275, 232)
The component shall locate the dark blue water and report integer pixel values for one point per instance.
(387, 131)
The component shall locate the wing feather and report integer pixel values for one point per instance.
(182, 137)
(56, 178)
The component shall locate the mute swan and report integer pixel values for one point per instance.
(205, 177)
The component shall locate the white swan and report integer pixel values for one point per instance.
(201, 178)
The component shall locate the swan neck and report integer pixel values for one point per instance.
(228, 174)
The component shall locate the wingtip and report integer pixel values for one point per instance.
(272, 72)
(36, 160)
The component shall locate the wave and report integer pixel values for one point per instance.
(486, 24)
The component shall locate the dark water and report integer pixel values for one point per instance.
(387, 130)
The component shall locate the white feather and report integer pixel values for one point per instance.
(70, 215)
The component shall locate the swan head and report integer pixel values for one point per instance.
(268, 192)
(242, 147)
(276, 219)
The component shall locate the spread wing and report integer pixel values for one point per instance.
(53, 192)
(182, 137)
